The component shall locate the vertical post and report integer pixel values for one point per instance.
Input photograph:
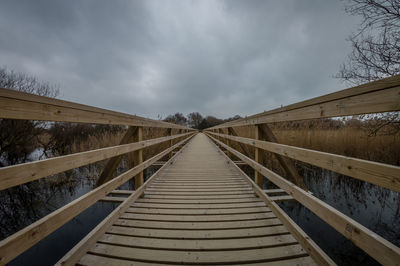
(259, 157)
(228, 142)
(138, 157)
(169, 133)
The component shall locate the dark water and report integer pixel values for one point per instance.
(374, 207)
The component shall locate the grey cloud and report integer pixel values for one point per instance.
(158, 57)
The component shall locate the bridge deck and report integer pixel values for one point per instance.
(199, 211)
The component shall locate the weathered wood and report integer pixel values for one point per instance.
(22, 173)
(259, 156)
(113, 199)
(113, 163)
(15, 244)
(374, 97)
(376, 246)
(122, 192)
(281, 198)
(138, 157)
(385, 175)
(22, 105)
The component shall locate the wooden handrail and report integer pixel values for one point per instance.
(17, 243)
(374, 97)
(384, 175)
(320, 257)
(22, 173)
(376, 246)
(21, 105)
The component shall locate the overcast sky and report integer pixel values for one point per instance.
(155, 58)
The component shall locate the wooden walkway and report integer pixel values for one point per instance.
(199, 211)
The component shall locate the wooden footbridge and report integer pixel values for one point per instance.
(200, 208)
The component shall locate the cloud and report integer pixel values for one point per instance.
(159, 57)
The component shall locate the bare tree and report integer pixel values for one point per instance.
(194, 119)
(376, 44)
(18, 138)
(177, 118)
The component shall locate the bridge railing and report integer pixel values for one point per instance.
(375, 97)
(19, 105)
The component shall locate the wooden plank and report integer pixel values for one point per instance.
(198, 193)
(198, 245)
(113, 163)
(384, 175)
(152, 189)
(138, 157)
(179, 225)
(122, 192)
(198, 257)
(198, 201)
(258, 156)
(282, 198)
(274, 191)
(198, 234)
(81, 248)
(198, 218)
(198, 211)
(15, 244)
(376, 246)
(113, 199)
(22, 173)
(90, 259)
(373, 97)
(199, 197)
(232, 131)
(199, 205)
(22, 105)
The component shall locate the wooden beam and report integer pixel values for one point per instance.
(286, 163)
(21, 105)
(259, 156)
(376, 246)
(122, 192)
(113, 199)
(138, 157)
(22, 173)
(374, 97)
(113, 163)
(384, 175)
(17, 243)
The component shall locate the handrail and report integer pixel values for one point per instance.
(17, 243)
(384, 175)
(376, 246)
(320, 257)
(353, 101)
(22, 105)
(22, 173)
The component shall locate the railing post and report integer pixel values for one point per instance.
(169, 133)
(138, 157)
(259, 156)
(228, 142)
